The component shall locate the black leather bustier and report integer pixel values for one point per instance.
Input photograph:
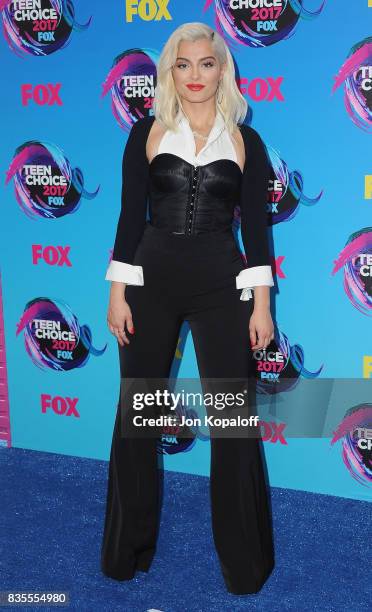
(187, 199)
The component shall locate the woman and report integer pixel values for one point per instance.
(195, 164)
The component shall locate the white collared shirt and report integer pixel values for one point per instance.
(218, 146)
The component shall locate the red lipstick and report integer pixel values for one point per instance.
(195, 86)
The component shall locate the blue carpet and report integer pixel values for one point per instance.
(51, 521)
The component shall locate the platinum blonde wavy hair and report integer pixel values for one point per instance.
(167, 102)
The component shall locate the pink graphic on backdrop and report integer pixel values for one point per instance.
(356, 260)
(45, 184)
(281, 365)
(355, 430)
(132, 82)
(259, 26)
(356, 76)
(39, 27)
(286, 191)
(53, 336)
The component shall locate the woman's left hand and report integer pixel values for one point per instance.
(261, 328)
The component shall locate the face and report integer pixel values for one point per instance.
(196, 71)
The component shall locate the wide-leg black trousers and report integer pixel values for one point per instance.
(189, 278)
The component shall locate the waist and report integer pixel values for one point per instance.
(189, 214)
(215, 239)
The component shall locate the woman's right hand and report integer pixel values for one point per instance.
(119, 317)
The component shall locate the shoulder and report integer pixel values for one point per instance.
(254, 145)
(138, 134)
(146, 134)
(142, 126)
(250, 135)
(145, 122)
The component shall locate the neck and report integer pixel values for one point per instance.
(200, 116)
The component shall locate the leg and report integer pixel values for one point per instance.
(132, 511)
(240, 511)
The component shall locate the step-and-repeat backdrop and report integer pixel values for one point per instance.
(75, 76)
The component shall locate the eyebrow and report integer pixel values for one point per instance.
(202, 58)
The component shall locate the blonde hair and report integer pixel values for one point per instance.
(167, 102)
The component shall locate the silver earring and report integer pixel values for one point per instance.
(219, 91)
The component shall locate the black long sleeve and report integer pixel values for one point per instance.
(253, 202)
(135, 171)
(132, 219)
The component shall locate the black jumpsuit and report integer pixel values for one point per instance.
(190, 259)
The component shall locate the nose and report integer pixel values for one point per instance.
(195, 72)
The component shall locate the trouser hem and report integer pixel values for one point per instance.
(241, 588)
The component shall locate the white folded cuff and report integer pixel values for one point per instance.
(124, 273)
(249, 278)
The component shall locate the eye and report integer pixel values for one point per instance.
(180, 65)
(209, 63)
